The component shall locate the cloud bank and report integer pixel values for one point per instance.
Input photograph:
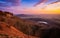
(40, 2)
(44, 1)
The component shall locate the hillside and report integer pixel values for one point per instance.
(11, 32)
(11, 25)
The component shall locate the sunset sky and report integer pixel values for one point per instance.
(31, 6)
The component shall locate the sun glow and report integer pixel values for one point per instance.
(40, 9)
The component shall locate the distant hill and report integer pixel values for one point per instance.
(11, 25)
(24, 15)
